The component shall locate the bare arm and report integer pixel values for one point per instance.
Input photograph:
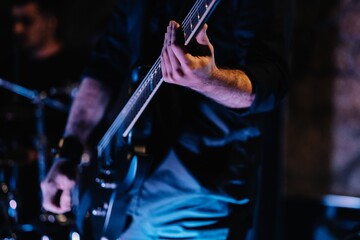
(232, 88)
(86, 112)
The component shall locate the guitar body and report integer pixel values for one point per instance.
(99, 207)
(122, 163)
(107, 183)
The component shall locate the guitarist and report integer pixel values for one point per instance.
(206, 139)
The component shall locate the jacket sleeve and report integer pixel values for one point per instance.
(110, 58)
(267, 61)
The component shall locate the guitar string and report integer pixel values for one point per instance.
(121, 118)
(114, 127)
(129, 106)
(196, 8)
(193, 9)
(199, 17)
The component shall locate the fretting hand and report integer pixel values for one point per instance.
(193, 66)
(182, 67)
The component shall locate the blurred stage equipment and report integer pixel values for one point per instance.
(341, 218)
(40, 100)
(13, 165)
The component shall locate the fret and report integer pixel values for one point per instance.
(196, 17)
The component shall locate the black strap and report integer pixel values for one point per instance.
(71, 148)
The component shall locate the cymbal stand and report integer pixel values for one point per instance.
(8, 212)
(41, 140)
(40, 100)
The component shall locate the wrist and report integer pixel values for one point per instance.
(71, 148)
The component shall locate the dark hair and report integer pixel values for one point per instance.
(53, 8)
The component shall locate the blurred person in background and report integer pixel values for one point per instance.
(43, 63)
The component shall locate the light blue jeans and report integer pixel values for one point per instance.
(171, 204)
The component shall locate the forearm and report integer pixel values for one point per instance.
(87, 110)
(231, 88)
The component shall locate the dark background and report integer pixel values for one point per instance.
(317, 151)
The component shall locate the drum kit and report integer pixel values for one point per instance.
(22, 168)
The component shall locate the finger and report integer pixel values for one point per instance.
(49, 190)
(48, 187)
(65, 201)
(64, 182)
(56, 194)
(178, 52)
(202, 37)
(165, 62)
(164, 70)
(165, 37)
(174, 61)
(53, 208)
(51, 201)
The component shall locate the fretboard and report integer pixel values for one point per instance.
(139, 100)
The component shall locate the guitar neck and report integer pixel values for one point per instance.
(139, 100)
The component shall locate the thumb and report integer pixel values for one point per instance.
(202, 37)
